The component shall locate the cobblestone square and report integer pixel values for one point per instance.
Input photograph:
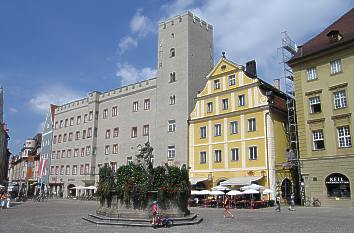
(65, 216)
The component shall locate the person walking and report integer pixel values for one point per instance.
(227, 212)
(277, 201)
(154, 211)
(2, 200)
(292, 202)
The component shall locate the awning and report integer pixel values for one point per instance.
(246, 180)
(195, 180)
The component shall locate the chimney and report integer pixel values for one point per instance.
(276, 83)
(251, 68)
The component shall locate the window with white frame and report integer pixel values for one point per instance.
(210, 107)
(234, 154)
(340, 99)
(172, 99)
(115, 149)
(216, 84)
(135, 106)
(62, 170)
(52, 170)
(66, 122)
(67, 170)
(87, 168)
(89, 132)
(82, 169)
(64, 137)
(241, 100)
(76, 152)
(74, 172)
(59, 138)
(71, 121)
(315, 104)
(252, 124)
(68, 154)
(232, 80)
(115, 132)
(311, 73)
(90, 115)
(78, 120)
(217, 130)
(203, 132)
(252, 153)
(134, 132)
(53, 154)
(318, 140)
(63, 154)
(146, 104)
(83, 152)
(106, 150)
(105, 113)
(233, 127)
(56, 170)
(344, 139)
(84, 134)
(171, 152)
(70, 138)
(114, 111)
(77, 135)
(202, 157)
(171, 125)
(88, 150)
(85, 118)
(336, 66)
(146, 129)
(108, 133)
(225, 104)
(217, 156)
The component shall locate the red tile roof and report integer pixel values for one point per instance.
(344, 25)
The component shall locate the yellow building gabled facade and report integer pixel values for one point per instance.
(237, 131)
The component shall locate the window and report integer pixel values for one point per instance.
(74, 170)
(115, 149)
(171, 152)
(172, 100)
(129, 159)
(202, 157)
(53, 154)
(210, 107)
(315, 104)
(52, 170)
(171, 126)
(311, 73)
(82, 152)
(95, 132)
(172, 52)
(338, 186)
(344, 139)
(62, 170)
(61, 124)
(172, 77)
(66, 122)
(63, 155)
(217, 130)
(234, 127)
(114, 166)
(225, 104)
(68, 154)
(78, 120)
(71, 121)
(216, 84)
(88, 150)
(336, 66)
(70, 137)
(106, 150)
(202, 132)
(145, 130)
(90, 115)
(59, 138)
(318, 141)
(114, 111)
(58, 154)
(252, 153)
(252, 124)
(217, 156)
(135, 106)
(55, 139)
(232, 80)
(89, 132)
(340, 99)
(134, 132)
(56, 170)
(105, 113)
(115, 132)
(77, 135)
(67, 170)
(87, 168)
(146, 104)
(234, 154)
(81, 169)
(84, 134)
(241, 100)
(108, 133)
(85, 118)
(56, 125)
(76, 152)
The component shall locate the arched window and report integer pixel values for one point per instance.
(338, 185)
(172, 52)
(286, 188)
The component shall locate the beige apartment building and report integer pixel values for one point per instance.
(324, 87)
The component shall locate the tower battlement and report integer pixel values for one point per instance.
(170, 22)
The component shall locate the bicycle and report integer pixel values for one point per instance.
(315, 202)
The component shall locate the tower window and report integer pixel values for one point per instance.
(172, 52)
(172, 77)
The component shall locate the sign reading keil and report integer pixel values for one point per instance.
(337, 178)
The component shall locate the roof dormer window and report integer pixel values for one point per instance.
(334, 36)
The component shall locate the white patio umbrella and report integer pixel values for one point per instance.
(267, 191)
(216, 192)
(204, 192)
(195, 192)
(2, 186)
(250, 191)
(253, 186)
(234, 193)
(91, 187)
(221, 188)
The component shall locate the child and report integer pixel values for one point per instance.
(154, 212)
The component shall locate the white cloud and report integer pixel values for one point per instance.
(141, 24)
(55, 94)
(13, 110)
(251, 29)
(130, 74)
(126, 43)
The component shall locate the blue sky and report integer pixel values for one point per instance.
(58, 51)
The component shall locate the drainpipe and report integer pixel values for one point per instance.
(267, 154)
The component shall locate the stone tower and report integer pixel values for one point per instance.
(185, 57)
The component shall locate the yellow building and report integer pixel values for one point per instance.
(237, 131)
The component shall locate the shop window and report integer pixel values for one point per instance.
(286, 187)
(338, 186)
